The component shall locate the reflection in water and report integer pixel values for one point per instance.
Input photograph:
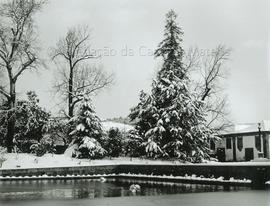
(85, 188)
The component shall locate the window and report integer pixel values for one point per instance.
(228, 143)
(258, 143)
(212, 145)
(240, 143)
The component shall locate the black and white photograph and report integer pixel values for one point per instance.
(124, 102)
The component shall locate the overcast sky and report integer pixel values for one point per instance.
(242, 25)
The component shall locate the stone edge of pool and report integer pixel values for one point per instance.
(199, 174)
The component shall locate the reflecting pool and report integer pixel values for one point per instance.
(85, 191)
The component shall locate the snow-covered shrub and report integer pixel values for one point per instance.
(114, 142)
(134, 145)
(57, 129)
(3, 122)
(3, 129)
(90, 147)
(45, 145)
(30, 120)
(2, 153)
(72, 150)
(152, 149)
(37, 149)
(88, 131)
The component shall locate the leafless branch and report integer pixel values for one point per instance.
(208, 69)
(76, 77)
(3, 92)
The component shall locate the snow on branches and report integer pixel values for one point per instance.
(87, 132)
(171, 119)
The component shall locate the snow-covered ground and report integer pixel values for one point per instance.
(22, 160)
(48, 160)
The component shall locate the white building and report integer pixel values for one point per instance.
(246, 142)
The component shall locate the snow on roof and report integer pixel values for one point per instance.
(251, 127)
(266, 125)
(107, 125)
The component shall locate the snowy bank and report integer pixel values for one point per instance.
(23, 160)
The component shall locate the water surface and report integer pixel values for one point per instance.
(116, 192)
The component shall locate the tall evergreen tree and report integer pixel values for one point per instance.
(171, 119)
(88, 132)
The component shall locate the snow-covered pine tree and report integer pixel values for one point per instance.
(88, 132)
(171, 119)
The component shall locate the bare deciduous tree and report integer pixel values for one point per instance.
(75, 75)
(87, 80)
(17, 49)
(208, 69)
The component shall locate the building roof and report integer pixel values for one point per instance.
(107, 125)
(249, 128)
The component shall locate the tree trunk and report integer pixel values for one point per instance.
(11, 118)
(70, 94)
(207, 90)
(10, 132)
